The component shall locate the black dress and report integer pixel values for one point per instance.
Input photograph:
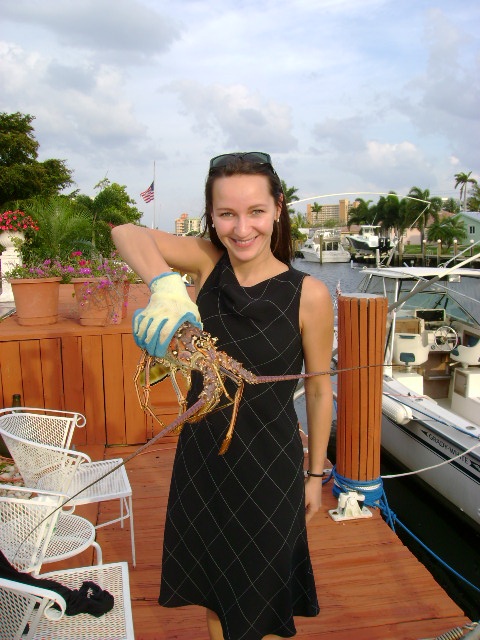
(235, 537)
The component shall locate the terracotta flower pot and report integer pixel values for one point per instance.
(99, 303)
(36, 300)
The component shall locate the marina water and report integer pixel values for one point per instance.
(438, 527)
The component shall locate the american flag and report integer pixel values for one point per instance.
(149, 194)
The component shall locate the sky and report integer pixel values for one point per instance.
(348, 96)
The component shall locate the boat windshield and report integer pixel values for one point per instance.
(457, 298)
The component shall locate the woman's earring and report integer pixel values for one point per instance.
(213, 226)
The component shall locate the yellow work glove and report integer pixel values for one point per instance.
(169, 307)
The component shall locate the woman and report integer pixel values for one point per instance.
(235, 535)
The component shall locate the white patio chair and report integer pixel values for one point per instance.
(34, 531)
(22, 604)
(49, 426)
(50, 467)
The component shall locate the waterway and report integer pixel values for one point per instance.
(439, 528)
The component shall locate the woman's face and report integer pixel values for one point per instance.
(244, 212)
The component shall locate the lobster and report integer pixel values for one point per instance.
(192, 349)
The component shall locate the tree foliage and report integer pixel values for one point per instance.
(290, 196)
(473, 202)
(110, 207)
(64, 226)
(420, 207)
(22, 176)
(363, 213)
(451, 205)
(389, 213)
(447, 229)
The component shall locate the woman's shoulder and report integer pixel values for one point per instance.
(315, 294)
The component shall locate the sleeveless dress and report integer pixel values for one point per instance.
(235, 537)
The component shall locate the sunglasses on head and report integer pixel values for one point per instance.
(254, 157)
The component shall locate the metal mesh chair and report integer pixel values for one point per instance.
(34, 530)
(47, 466)
(50, 426)
(22, 605)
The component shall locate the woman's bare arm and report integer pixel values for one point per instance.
(150, 252)
(316, 316)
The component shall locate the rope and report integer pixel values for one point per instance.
(371, 489)
(376, 497)
(434, 466)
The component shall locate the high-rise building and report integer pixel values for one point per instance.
(338, 212)
(184, 224)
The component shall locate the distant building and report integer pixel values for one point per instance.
(472, 225)
(338, 212)
(184, 224)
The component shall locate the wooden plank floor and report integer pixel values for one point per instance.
(370, 586)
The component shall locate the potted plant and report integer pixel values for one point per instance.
(35, 291)
(99, 287)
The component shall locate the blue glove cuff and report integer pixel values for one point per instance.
(163, 275)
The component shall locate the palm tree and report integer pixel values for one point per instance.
(363, 213)
(64, 226)
(420, 207)
(289, 193)
(447, 229)
(451, 205)
(110, 207)
(389, 214)
(299, 220)
(463, 179)
(473, 202)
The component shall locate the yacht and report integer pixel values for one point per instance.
(431, 381)
(325, 246)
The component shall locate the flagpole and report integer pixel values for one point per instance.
(154, 199)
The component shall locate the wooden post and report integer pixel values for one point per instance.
(362, 322)
(321, 249)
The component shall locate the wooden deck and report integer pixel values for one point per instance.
(370, 586)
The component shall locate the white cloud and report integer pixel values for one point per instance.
(444, 97)
(242, 118)
(121, 26)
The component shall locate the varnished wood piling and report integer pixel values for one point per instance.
(361, 338)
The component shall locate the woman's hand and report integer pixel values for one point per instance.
(169, 307)
(313, 497)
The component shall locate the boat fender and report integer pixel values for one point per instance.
(396, 411)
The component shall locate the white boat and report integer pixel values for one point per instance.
(368, 240)
(325, 247)
(431, 382)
